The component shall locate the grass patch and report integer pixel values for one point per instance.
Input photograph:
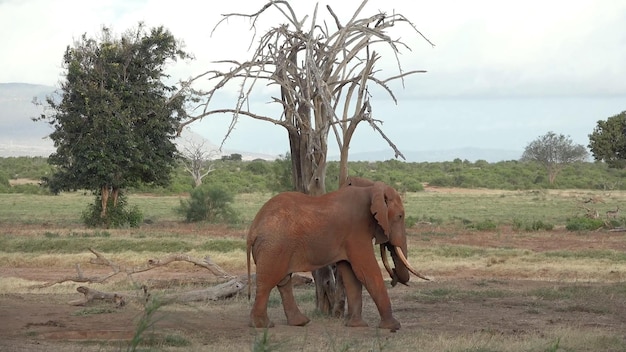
(604, 254)
(93, 310)
(224, 245)
(582, 309)
(459, 251)
(164, 340)
(561, 293)
(440, 295)
(78, 245)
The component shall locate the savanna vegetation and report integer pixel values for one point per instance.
(238, 176)
(507, 276)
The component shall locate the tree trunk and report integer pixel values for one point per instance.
(104, 199)
(115, 193)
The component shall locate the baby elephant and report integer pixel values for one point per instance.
(294, 232)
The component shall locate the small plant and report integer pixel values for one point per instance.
(555, 346)
(262, 343)
(147, 321)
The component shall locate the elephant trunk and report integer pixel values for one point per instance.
(400, 272)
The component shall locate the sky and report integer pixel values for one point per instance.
(501, 73)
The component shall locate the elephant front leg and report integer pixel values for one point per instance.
(368, 272)
(294, 316)
(354, 295)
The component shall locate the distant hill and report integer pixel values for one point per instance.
(19, 135)
(471, 154)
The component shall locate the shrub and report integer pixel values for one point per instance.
(410, 221)
(4, 180)
(583, 224)
(116, 216)
(536, 225)
(209, 203)
(485, 225)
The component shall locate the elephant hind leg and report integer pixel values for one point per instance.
(258, 314)
(294, 316)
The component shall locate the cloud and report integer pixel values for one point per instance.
(482, 47)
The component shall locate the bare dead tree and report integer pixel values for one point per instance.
(198, 159)
(323, 72)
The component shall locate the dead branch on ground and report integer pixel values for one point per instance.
(221, 291)
(92, 295)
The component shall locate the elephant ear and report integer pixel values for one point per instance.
(379, 210)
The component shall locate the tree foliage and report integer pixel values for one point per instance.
(608, 141)
(554, 152)
(115, 118)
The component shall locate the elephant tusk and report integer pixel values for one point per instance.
(408, 266)
(383, 256)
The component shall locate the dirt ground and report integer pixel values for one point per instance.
(46, 322)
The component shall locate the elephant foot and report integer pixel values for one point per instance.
(260, 323)
(391, 324)
(356, 323)
(300, 320)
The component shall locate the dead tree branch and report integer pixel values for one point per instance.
(324, 81)
(91, 295)
(100, 259)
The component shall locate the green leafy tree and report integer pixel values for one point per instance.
(114, 119)
(554, 152)
(608, 141)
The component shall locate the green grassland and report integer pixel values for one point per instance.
(434, 205)
(39, 230)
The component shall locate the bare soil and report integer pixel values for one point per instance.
(508, 307)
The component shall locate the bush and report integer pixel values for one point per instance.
(4, 180)
(485, 225)
(536, 225)
(209, 203)
(583, 224)
(116, 216)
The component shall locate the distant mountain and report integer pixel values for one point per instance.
(20, 136)
(469, 153)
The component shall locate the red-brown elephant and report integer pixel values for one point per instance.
(294, 232)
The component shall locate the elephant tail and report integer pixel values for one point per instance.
(248, 250)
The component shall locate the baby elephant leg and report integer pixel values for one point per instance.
(354, 295)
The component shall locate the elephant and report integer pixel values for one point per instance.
(295, 232)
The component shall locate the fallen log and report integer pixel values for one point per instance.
(215, 293)
(224, 290)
